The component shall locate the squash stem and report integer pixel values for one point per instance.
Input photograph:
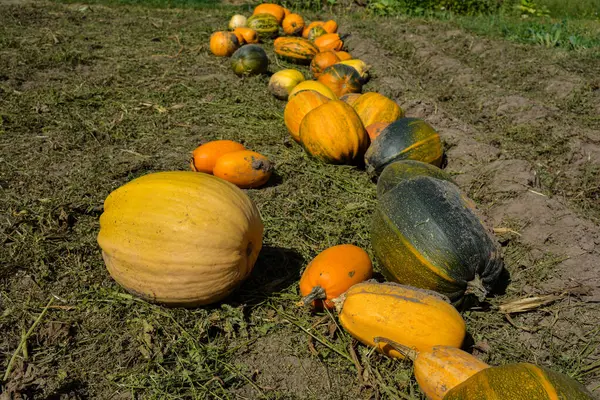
(406, 351)
(317, 293)
(476, 288)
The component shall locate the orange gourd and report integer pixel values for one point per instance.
(297, 108)
(249, 35)
(293, 24)
(439, 369)
(286, 12)
(375, 129)
(239, 37)
(341, 79)
(268, 8)
(205, 157)
(223, 44)
(246, 169)
(329, 41)
(332, 272)
(333, 133)
(343, 55)
(322, 61)
(374, 107)
(308, 27)
(330, 26)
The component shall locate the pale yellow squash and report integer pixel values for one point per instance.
(180, 238)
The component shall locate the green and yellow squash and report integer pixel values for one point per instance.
(266, 25)
(404, 139)
(296, 49)
(400, 171)
(250, 59)
(426, 233)
(521, 381)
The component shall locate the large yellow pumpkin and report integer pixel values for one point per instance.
(297, 108)
(374, 107)
(334, 134)
(180, 238)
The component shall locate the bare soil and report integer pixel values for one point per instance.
(92, 97)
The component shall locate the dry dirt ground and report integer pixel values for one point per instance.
(93, 96)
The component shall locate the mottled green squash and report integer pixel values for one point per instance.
(521, 381)
(266, 25)
(400, 171)
(250, 59)
(298, 50)
(425, 233)
(404, 139)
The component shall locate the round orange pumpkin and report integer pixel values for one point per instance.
(297, 108)
(374, 107)
(223, 44)
(245, 169)
(205, 157)
(341, 79)
(343, 55)
(249, 35)
(329, 41)
(268, 8)
(375, 129)
(330, 26)
(321, 61)
(332, 272)
(334, 134)
(293, 24)
(308, 27)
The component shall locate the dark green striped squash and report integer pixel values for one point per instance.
(404, 139)
(426, 233)
(521, 381)
(400, 171)
(295, 49)
(250, 59)
(266, 25)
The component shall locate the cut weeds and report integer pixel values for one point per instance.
(92, 97)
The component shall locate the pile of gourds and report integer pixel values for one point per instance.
(189, 238)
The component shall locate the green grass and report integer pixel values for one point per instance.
(572, 8)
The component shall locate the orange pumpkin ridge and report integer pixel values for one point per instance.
(332, 272)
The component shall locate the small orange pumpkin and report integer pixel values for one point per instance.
(223, 44)
(297, 108)
(343, 55)
(330, 26)
(308, 27)
(329, 41)
(439, 369)
(246, 169)
(249, 35)
(341, 79)
(374, 107)
(375, 129)
(332, 272)
(268, 8)
(321, 61)
(205, 157)
(293, 24)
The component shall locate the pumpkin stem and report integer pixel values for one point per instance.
(406, 351)
(339, 302)
(317, 293)
(476, 288)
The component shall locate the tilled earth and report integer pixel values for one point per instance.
(93, 96)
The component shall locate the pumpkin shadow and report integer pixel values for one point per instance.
(275, 270)
(274, 180)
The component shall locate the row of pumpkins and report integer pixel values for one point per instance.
(189, 238)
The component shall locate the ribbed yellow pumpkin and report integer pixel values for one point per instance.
(180, 238)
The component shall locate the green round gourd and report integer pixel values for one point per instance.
(315, 32)
(400, 171)
(250, 59)
(266, 25)
(521, 381)
(404, 139)
(426, 233)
